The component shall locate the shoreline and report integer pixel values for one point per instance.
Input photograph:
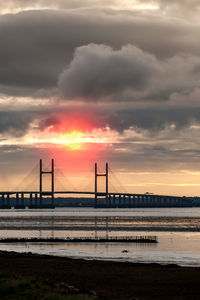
(118, 229)
(110, 280)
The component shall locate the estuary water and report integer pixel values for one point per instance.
(177, 229)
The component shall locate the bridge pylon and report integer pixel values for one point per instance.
(51, 193)
(96, 183)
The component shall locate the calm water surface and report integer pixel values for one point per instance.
(178, 231)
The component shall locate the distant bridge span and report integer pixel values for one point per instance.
(34, 199)
(89, 193)
(49, 199)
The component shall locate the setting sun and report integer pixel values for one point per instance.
(73, 139)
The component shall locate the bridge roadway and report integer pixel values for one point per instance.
(35, 199)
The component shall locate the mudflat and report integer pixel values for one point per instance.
(110, 280)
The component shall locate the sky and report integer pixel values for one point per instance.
(114, 81)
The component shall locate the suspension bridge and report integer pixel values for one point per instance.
(54, 197)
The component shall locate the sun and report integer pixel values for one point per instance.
(73, 140)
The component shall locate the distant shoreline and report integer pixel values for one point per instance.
(113, 229)
(110, 280)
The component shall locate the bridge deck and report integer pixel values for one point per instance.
(89, 193)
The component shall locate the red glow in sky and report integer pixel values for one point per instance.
(74, 122)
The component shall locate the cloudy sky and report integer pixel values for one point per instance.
(95, 80)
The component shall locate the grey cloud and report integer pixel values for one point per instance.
(97, 71)
(151, 118)
(154, 119)
(156, 141)
(129, 74)
(37, 45)
(15, 123)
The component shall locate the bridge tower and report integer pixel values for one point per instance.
(96, 183)
(51, 193)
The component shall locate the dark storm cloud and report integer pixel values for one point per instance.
(37, 45)
(128, 74)
(151, 118)
(152, 123)
(97, 71)
(154, 119)
(136, 58)
(15, 123)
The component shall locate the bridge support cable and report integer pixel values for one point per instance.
(112, 188)
(118, 182)
(63, 183)
(89, 177)
(30, 181)
(89, 186)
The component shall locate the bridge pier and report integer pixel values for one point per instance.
(19, 203)
(36, 200)
(3, 200)
(31, 200)
(114, 201)
(40, 200)
(129, 201)
(8, 201)
(148, 201)
(124, 200)
(135, 201)
(109, 201)
(22, 200)
(140, 201)
(53, 201)
(17, 200)
(119, 199)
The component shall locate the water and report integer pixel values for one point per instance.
(178, 231)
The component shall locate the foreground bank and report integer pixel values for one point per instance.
(109, 280)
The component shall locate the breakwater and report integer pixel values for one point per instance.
(113, 239)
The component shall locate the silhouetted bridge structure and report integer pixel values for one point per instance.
(20, 200)
(44, 199)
